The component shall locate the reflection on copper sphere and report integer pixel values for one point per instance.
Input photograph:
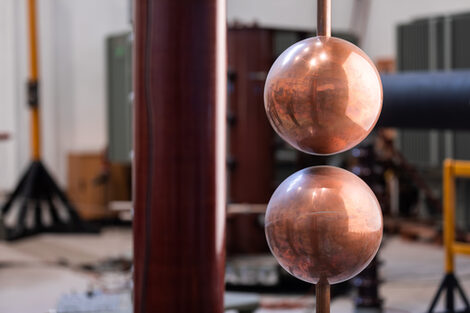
(323, 222)
(323, 95)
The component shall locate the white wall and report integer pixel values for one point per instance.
(6, 92)
(13, 116)
(79, 94)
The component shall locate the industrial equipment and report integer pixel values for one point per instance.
(37, 191)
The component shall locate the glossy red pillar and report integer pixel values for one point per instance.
(179, 156)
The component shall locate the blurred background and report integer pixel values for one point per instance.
(85, 60)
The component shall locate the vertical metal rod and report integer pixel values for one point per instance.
(33, 40)
(324, 18)
(450, 307)
(33, 80)
(449, 215)
(323, 296)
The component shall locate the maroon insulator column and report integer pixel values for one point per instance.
(179, 165)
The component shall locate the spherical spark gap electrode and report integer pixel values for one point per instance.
(323, 95)
(323, 223)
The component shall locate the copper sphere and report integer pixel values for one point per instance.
(323, 95)
(323, 222)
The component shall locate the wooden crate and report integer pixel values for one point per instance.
(93, 183)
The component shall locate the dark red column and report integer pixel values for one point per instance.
(179, 168)
(250, 55)
(251, 138)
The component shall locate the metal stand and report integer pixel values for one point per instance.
(371, 171)
(367, 284)
(452, 170)
(448, 285)
(37, 192)
(36, 188)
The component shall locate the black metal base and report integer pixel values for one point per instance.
(38, 195)
(448, 285)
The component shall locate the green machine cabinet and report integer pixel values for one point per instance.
(119, 97)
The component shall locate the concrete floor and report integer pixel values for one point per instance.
(34, 281)
(35, 285)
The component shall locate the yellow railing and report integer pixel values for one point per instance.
(452, 170)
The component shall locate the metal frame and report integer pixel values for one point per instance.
(452, 169)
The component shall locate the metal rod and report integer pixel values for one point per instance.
(449, 215)
(33, 45)
(323, 296)
(324, 18)
(33, 81)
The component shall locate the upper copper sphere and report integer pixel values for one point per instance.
(323, 95)
(323, 223)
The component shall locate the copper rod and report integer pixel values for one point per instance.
(324, 18)
(323, 296)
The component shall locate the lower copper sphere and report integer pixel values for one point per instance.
(323, 95)
(323, 223)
